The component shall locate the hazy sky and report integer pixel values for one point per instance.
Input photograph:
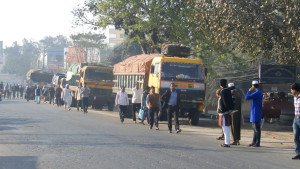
(35, 19)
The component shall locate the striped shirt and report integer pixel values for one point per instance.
(297, 105)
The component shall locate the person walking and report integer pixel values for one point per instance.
(144, 106)
(154, 106)
(295, 90)
(51, 94)
(58, 92)
(78, 97)
(256, 96)
(171, 99)
(236, 116)
(21, 90)
(85, 93)
(66, 95)
(38, 93)
(136, 101)
(123, 102)
(226, 106)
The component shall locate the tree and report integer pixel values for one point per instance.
(91, 43)
(19, 59)
(147, 22)
(265, 29)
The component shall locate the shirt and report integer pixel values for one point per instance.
(136, 95)
(297, 105)
(256, 105)
(148, 102)
(85, 92)
(173, 99)
(122, 99)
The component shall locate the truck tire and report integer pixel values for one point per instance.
(194, 117)
(110, 107)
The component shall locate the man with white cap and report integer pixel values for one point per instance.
(67, 97)
(256, 96)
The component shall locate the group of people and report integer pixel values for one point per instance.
(12, 91)
(60, 96)
(230, 114)
(230, 117)
(149, 103)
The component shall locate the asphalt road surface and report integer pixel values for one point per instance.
(45, 136)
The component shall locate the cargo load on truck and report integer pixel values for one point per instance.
(37, 76)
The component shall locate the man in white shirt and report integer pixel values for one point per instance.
(67, 97)
(136, 101)
(123, 102)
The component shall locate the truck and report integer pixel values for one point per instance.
(38, 76)
(275, 84)
(98, 78)
(160, 70)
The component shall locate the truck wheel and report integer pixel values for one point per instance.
(110, 107)
(194, 117)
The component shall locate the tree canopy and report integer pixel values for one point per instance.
(264, 29)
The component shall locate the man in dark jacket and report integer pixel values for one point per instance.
(171, 101)
(226, 105)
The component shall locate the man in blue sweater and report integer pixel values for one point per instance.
(256, 96)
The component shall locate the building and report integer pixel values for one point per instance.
(114, 36)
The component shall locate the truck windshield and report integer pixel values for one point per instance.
(98, 75)
(181, 71)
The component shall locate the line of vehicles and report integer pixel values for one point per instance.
(158, 70)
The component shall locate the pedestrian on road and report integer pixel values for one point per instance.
(78, 97)
(21, 90)
(154, 107)
(236, 116)
(144, 106)
(256, 96)
(295, 89)
(67, 97)
(171, 99)
(85, 93)
(51, 94)
(123, 102)
(38, 93)
(58, 92)
(226, 106)
(136, 101)
(219, 111)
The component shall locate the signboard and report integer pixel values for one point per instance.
(277, 74)
(1, 52)
(55, 59)
(74, 55)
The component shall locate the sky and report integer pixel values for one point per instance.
(36, 19)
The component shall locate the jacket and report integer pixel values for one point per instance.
(226, 100)
(256, 105)
(166, 97)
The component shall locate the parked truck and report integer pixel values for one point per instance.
(160, 70)
(98, 78)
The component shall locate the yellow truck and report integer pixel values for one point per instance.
(160, 70)
(98, 78)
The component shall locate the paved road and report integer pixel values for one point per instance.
(45, 136)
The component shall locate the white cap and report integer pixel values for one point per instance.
(254, 82)
(230, 84)
(67, 84)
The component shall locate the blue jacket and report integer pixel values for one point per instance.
(256, 106)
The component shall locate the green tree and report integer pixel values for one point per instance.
(264, 29)
(19, 59)
(147, 22)
(88, 41)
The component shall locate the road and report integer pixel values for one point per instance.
(45, 136)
